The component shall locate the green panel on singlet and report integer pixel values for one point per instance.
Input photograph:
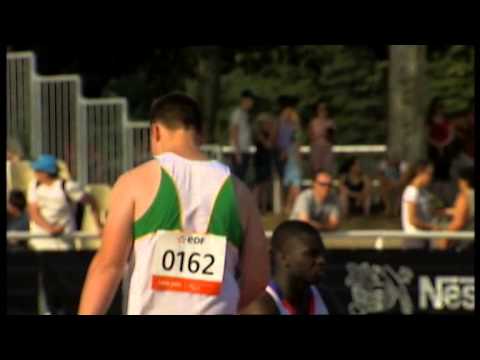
(164, 213)
(225, 218)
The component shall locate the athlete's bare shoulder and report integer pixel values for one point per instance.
(264, 305)
(135, 181)
(142, 169)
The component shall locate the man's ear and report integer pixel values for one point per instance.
(156, 132)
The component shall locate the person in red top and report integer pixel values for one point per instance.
(441, 150)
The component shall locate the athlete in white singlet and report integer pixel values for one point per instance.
(183, 234)
(299, 263)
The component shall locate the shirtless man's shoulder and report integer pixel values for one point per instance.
(263, 305)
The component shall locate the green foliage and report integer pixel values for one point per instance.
(350, 79)
(452, 77)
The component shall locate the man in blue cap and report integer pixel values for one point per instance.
(51, 203)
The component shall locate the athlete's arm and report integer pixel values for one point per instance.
(254, 261)
(264, 305)
(106, 270)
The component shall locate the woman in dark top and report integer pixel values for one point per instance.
(442, 149)
(264, 141)
(355, 190)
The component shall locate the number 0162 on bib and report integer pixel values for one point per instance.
(189, 263)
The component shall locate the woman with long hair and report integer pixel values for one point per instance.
(462, 214)
(321, 132)
(417, 214)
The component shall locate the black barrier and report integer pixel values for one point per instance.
(62, 275)
(402, 282)
(360, 282)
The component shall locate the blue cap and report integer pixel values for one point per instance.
(46, 163)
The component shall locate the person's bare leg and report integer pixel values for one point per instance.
(344, 203)
(293, 192)
(385, 193)
(367, 203)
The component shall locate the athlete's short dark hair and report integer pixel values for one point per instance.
(289, 232)
(177, 110)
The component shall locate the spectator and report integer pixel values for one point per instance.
(321, 132)
(463, 212)
(465, 132)
(17, 218)
(240, 134)
(50, 204)
(441, 150)
(285, 131)
(391, 173)
(264, 141)
(416, 208)
(292, 179)
(14, 150)
(318, 206)
(355, 189)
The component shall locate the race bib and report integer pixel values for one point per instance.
(189, 263)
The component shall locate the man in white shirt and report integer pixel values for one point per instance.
(241, 134)
(51, 205)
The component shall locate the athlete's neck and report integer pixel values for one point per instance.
(183, 147)
(294, 290)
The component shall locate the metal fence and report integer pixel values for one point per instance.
(381, 237)
(48, 114)
(59, 118)
(104, 139)
(95, 138)
(20, 99)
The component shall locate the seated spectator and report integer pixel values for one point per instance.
(463, 213)
(391, 173)
(17, 218)
(318, 206)
(50, 204)
(416, 210)
(263, 160)
(355, 190)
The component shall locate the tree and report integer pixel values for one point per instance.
(408, 102)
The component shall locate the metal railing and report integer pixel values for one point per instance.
(95, 137)
(380, 236)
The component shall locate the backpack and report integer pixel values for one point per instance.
(78, 208)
